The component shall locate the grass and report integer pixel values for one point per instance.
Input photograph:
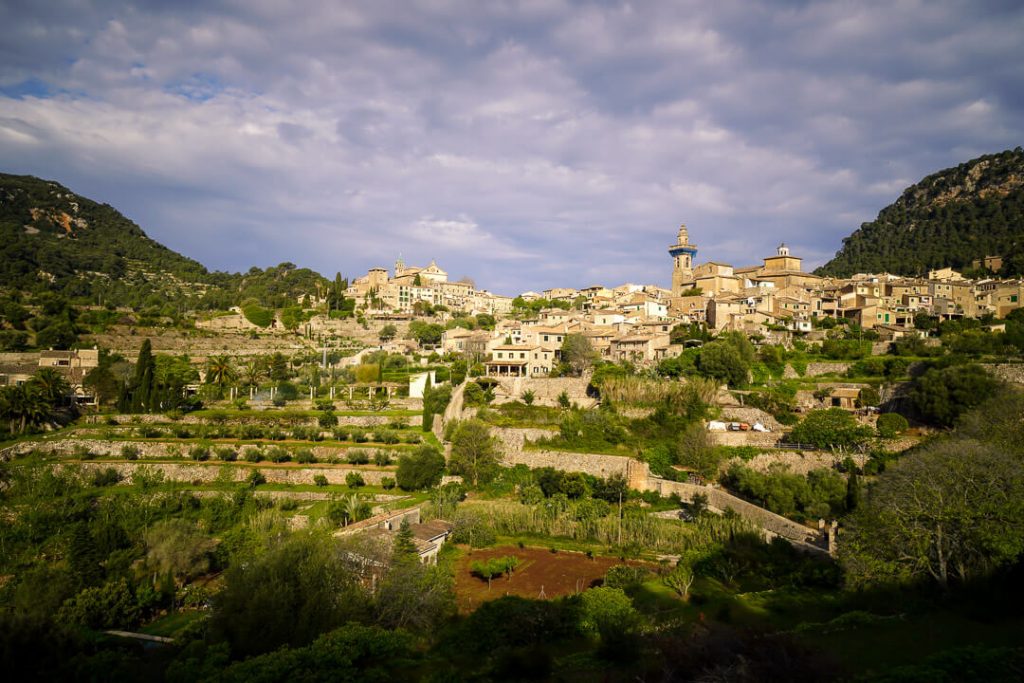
(172, 624)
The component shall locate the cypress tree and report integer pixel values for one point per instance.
(852, 492)
(143, 384)
(428, 416)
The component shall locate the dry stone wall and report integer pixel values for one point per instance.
(1008, 372)
(773, 524)
(157, 449)
(829, 368)
(796, 462)
(205, 473)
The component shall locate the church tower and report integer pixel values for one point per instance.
(682, 253)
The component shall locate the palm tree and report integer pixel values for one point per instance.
(52, 385)
(219, 370)
(254, 371)
(355, 508)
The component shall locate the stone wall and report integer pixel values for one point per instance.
(750, 438)
(797, 462)
(257, 417)
(750, 416)
(208, 472)
(773, 524)
(827, 368)
(1008, 372)
(546, 390)
(158, 449)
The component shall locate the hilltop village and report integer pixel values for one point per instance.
(633, 322)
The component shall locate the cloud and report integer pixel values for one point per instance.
(528, 144)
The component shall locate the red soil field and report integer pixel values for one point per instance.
(561, 573)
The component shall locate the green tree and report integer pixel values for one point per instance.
(474, 452)
(950, 511)
(176, 547)
(289, 595)
(941, 395)
(578, 353)
(890, 425)
(387, 333)
(421, 469)
(723, 362)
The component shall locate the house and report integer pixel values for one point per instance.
(520, 360)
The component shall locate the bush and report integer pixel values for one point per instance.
(279, 454)
(381, 458)
(625, 577)
(387, 483)
(320, 479)
(253, 455)
(340, 434)
(106, 477)
(354, 480)
(130, 452)
(357, 456)
(256, 478)
(109, 606)
(890, 425)
(199, 452)
(227, 454)
(304, 456)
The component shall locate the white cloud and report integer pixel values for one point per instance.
(526, 144)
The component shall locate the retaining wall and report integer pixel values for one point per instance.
(208, 472)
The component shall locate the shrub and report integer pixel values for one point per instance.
(354, 480)
(340, 434)
(625, 577)
(130, 452)
(253, 455)
(304, 456)
(357, 456)
(106, 477)
(381, 458)
(830, 429)
(199, 452)
(279, 454)
(320, 479)
(227, 454)
(891, 424)
(387, 483)
(256, 478)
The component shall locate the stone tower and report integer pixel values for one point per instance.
(682, 253)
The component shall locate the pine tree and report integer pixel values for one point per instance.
(852, 492)
(404, 548)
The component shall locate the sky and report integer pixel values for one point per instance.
(527, 144)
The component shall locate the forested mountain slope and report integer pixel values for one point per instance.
(948, 219)
(54, 240)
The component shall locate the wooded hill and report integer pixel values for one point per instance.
(54, 240)
(948, 219)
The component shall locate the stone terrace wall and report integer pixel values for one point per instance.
(547, 390)
(750, 438)
(204, 473)
(1008, 372)
(795, 462)
(750, 416)
(829, 368)
(156, 449)
(773, 524)
(258, 417)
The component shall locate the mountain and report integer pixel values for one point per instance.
(54, 240)
(948, 219)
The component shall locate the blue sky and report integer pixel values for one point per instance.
(526, 144)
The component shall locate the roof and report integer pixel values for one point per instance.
(515, 347)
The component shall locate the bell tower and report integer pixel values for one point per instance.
(682, 253)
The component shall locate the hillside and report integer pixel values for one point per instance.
(57, 241)
(948, 219)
